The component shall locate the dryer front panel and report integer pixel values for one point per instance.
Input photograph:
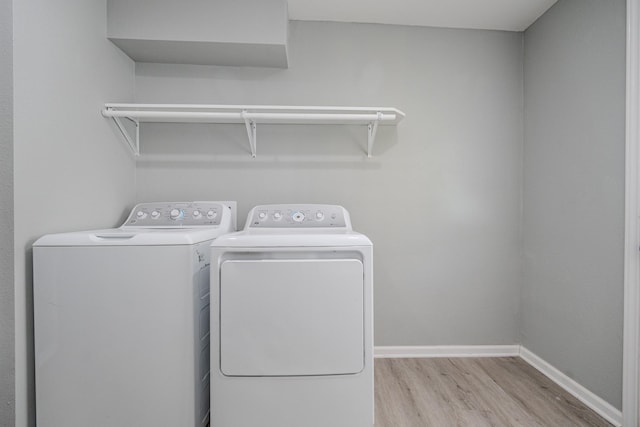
(291, 317)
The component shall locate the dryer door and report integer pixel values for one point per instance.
(291, 317)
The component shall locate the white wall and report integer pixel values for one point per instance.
(7, 371)
(440, 198)
(572, 299)
(71, 169)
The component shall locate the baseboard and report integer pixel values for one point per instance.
(446, 351)
(604, 409)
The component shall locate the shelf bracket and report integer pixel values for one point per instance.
(251, 132)
(134, 145)
(372, 129)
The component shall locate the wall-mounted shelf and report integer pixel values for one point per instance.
(250, 116)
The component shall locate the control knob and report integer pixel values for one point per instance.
(277, 216)
(197, 214)
(319, 215)
(298, 217)
(155, 214)
(212, 214)
(176, 214)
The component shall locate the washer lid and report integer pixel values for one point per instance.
(131, 237)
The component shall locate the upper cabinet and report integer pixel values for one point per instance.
(232, 33)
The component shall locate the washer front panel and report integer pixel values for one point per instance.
(175, 214)
(291, 317)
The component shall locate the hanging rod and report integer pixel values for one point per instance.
(250, 115)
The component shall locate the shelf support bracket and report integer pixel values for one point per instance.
(134, 145)
(251, 132)
(372, 129)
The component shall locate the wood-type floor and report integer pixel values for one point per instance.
(476, 392)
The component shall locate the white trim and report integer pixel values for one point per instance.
(599, 405)
(446, 351)
(631, 347)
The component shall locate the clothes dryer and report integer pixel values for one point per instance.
(292, 325)
(121, 319)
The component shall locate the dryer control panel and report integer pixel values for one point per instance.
(175, 214)
(298, 216)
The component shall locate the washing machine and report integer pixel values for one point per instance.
(121, 319)
(291, 321)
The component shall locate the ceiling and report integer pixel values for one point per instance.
(508, 15)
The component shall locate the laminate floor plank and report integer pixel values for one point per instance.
(500, 408)
(457, 388)
(476, 392)
(393, 395)
(415, 401)
(530, 394)
(544, 398)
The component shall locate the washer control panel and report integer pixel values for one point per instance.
(182, 214)
(297, 216)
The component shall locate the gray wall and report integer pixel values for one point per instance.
(71, 169)
(7, 372)
(572, 298)
(440, 198)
